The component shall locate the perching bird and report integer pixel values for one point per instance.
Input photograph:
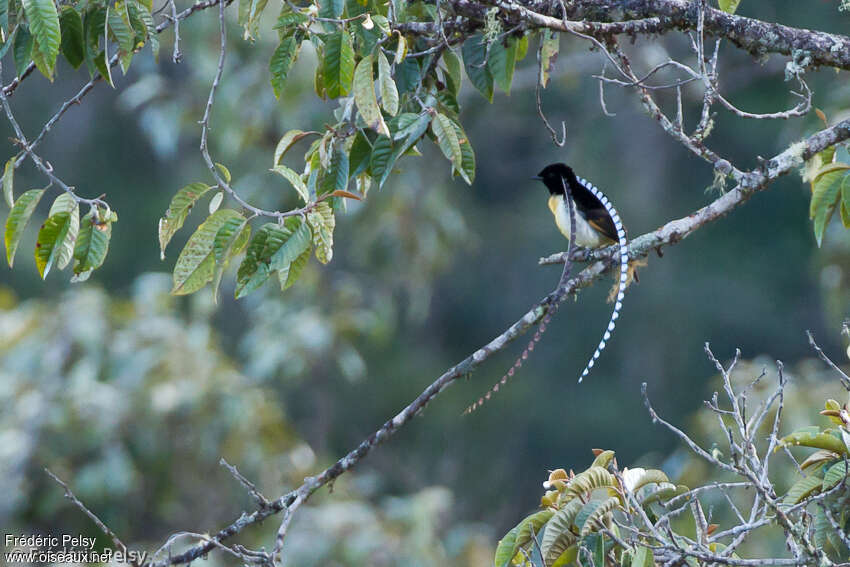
(597, 225)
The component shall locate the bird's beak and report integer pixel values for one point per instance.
(537, 178)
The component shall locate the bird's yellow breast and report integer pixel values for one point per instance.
(586, 235)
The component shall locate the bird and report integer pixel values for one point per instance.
(597, 225)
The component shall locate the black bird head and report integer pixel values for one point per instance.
(553, 177)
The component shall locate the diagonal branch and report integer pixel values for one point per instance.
(669, 234)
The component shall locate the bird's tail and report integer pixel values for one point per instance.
(624, 270)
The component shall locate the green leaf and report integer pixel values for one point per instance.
(195, 266)
(558, 535)
(216, 201)
(361, 151)
(142, 21)
(813, 437)
(443, 128)
(331, 8)
(322, 221)
(18, 218)
(802, 489)
(467, 169)
(288, 20)
(728, 6)
(501, 62)
(338, 64)
(9, 182)
(224, 172)
(335, 177)
(294, 180)
(73, 46)
(452, 63)
(590, 480)
(521, 47)
(382, 151)
(92, 244)
(835, 474)
(826, 189)
(530, 526)
(389, 92)
(119, 24)
(229, 241)
(288, 140)
(249, 17)
(178, 210)
(412, 132)
(56, 238)
(643, 558)
(282, 60)
(598, 510)
(364, 97)
(22, 50)
(296, 241)
(474, 50)
(505, 550)
(407, 74)
(549, 46)
(400, 49)
(4, 18)
(44, 25)
(290, 274)
(254, 269)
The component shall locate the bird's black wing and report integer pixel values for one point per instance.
(601, 221)
(593, 210)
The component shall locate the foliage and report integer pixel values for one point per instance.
(135, 403)
(637, 517)
(578, 516)
(823, 486)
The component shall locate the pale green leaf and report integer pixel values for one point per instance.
(826, 189)
(178, 210)
(9, 181)
(549, 46)
(287, 141)
(322, 221)
(195, 266)
(728, 6)
(365, 99)
(56, 238)
(17, 220)
(294, 180)
(443, 128)
(224, 172)
(389, 92)
(215, 202)
(290, 274)
(229, 241)
(558, 536)
(452, 64)
(66, 203)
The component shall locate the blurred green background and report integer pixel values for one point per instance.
(133, 396)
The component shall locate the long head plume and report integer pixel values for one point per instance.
(565, 179)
